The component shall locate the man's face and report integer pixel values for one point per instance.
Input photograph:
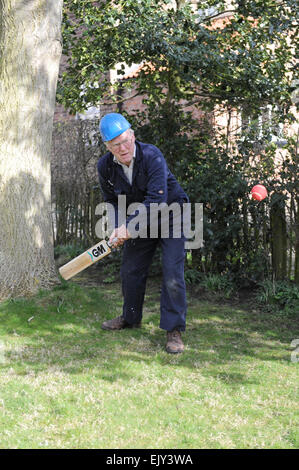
(123, 147)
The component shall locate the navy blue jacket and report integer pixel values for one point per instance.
(152, 180)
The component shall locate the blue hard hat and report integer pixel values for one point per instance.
(112, 125)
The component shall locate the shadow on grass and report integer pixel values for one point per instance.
(61, 331)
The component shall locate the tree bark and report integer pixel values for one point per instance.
(30, 50)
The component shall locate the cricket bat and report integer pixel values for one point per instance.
(89, 257)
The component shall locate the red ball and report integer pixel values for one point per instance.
(259, 192)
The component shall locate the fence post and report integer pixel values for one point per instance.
(279, 240)
(297, 242)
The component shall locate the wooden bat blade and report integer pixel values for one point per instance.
(81, 262)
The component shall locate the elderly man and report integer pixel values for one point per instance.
(139, 172)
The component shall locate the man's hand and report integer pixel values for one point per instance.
(121, 234)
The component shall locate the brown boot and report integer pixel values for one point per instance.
(119, 323)
(174, 343)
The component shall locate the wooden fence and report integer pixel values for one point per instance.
(75, 189)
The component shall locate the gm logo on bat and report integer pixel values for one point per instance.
(98, 251)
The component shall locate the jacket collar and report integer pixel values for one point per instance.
(137, 159)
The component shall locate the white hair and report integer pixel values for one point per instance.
(131, 131)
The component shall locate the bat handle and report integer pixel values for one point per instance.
(110, 244)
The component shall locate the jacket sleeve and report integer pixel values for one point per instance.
(106, 187)
(157, 174)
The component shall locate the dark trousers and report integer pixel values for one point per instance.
(137, 256)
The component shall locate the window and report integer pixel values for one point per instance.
(265, 127)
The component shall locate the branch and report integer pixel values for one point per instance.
(219, 14)
(203, 95)
(120, 100)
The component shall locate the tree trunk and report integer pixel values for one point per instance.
(30, 50)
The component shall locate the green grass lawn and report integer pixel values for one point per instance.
(65, 383)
